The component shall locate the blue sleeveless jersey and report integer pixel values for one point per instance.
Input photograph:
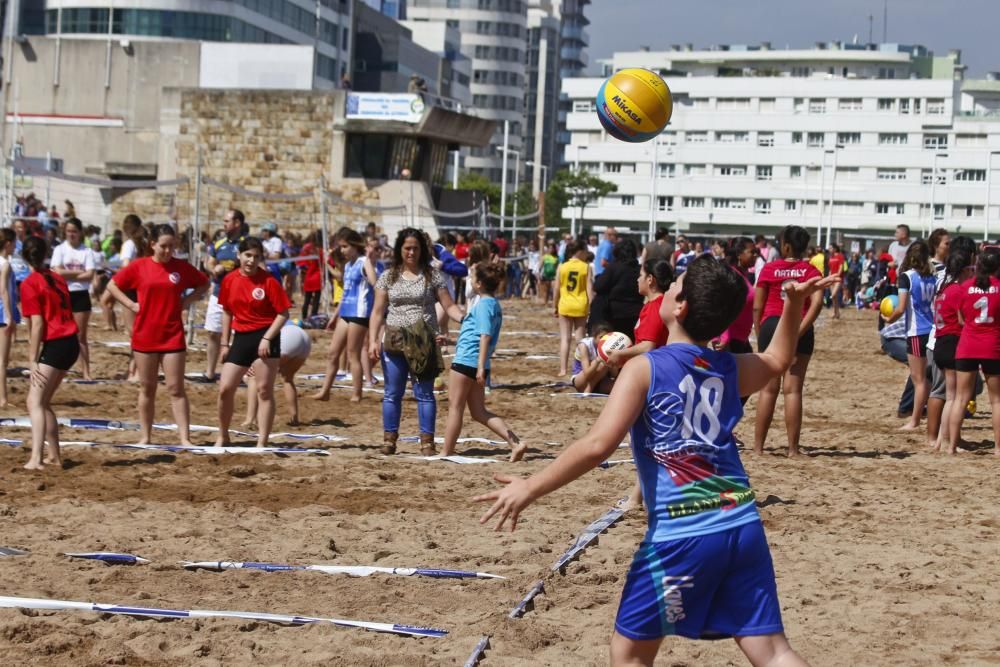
(692, 479)
(920, 308)
(359, 296)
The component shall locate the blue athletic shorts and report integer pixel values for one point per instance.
(705, 587)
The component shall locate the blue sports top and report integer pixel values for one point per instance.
(485, 317)
(359, 295)
(692, 479)
(226, 252)
(920, 307)
(9, 295)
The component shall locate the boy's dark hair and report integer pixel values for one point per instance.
(600, 329)
(906, 227)
(795, 236)
(624, 252)
(163, 230)
(715, 295)
(662, 274)
(251, 243)
(662, 233)
(490, 275)
(987, 267)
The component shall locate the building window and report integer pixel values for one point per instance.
(966, 211)
(936, 141)
(848, 138)
(891, 175)
(970, 140)
(888, 209)
(935, 107)
(791, 205)
(587, 106)
(763, 173)
(665, 203)
(731, 170)
(886, 104)
(848, 207)
(817, 105)
(765, 139)
(848, 173)
(767, 104)
(628, 200)
(694, 202)
(938, 211)
(904, 106)
(729, 203)
(694, 170)
(732, 103)
(697, 137)
(612, 167)
(732, 137)
(796, 137)
(665, 170)
(815, 140)
(700, 103)
(973, 175)
(849, 104)
(795, 172)
(801, 72)
(892, 139)
(762, 206)
(925, 177)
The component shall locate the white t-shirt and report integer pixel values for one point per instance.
(273, 246)
(74, 259)
(898, 252)
(129, 251)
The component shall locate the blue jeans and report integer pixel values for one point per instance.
(896, 349)
(396, 372)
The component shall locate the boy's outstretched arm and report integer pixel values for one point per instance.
(756, 370)
(623, 407)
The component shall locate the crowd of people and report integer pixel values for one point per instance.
(691, 313)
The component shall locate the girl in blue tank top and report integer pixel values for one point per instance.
(917, 286)
(9, 314)
(704, 568)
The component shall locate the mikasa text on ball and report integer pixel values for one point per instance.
(634, 105)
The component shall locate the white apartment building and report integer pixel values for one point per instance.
(853, 139)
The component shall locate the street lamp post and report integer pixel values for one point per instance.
(833, 190)
(652, 190)
(989, 181)
(503, 181)
(544, 168)
(576, 170)
(822, 201)
(934, 178)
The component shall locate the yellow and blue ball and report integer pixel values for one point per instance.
(888, 305)
(634, 105)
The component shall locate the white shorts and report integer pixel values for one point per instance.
(213, 315)
(295, 342)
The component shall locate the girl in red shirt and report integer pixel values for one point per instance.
(159, 283)
(54, 347)
(312, 279)
(769, 299)
(255, 306)
(978, 345)
(947, 331)
(741, 255)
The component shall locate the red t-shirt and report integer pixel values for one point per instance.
(159, 326)
(836, 261)
(501, 244)
(980, 310)
(946, 305)
(312, 281)
(740, 328)
(254, 301)
(650, 326)
(461, 251)
(774, 275)
(38, 298)
(891, 274)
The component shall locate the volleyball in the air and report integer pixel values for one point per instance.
(888, 305)
(634, 105)
(612, 342)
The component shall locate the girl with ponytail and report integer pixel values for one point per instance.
(53, 347)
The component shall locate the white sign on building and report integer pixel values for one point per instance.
(401, 107)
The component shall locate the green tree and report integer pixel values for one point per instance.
(573, 189)
(493, 192)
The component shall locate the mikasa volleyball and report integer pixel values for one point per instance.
(634, 105)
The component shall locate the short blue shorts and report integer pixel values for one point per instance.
(705, 587)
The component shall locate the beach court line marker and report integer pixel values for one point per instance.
(108, 557)
(10, 551)
(478, 652)
(150, 612)
(180, 449)
(527, 603)
(588, 536)
(118, 425)
(350, 570)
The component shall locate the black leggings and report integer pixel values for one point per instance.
(310, 299)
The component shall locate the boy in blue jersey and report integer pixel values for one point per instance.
(703, 570)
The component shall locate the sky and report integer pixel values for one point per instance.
(940, 25)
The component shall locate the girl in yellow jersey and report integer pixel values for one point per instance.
(572, 302)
